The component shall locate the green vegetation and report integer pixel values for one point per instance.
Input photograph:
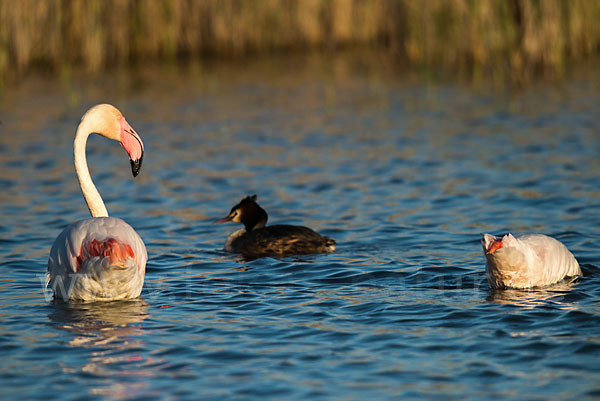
(514, 39)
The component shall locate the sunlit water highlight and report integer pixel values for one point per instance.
(404, 175)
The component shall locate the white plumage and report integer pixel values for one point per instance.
(78, 271)
(527, 261)
(101, 258)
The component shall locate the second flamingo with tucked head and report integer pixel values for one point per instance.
(527, 261)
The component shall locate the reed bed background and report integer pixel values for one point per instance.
(514, 39)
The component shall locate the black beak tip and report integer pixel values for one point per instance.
(136, 166)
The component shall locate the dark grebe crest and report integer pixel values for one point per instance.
(247, 212)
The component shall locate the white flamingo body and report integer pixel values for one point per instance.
(527, 261)
(101, 258)
(86, 264)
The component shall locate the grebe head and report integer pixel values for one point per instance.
(247, 212)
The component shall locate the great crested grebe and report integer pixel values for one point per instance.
(256, 239)
(526, 261)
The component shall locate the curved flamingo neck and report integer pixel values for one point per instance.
(88, 189)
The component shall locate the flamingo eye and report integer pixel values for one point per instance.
(118, 116)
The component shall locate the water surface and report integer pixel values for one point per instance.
(404, 174)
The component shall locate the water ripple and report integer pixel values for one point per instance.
(404, 176)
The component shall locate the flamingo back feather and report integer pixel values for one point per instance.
(117, 252)
(97, 258)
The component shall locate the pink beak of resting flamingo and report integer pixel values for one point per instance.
(494, 246)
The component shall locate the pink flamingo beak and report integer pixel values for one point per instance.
(133, 144)
(494, 246)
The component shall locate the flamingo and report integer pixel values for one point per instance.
(101, 258)
(526, 261)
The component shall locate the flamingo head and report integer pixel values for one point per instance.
(507, 258)
(491, 243)
(109, 122)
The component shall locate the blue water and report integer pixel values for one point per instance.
(405, 174)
